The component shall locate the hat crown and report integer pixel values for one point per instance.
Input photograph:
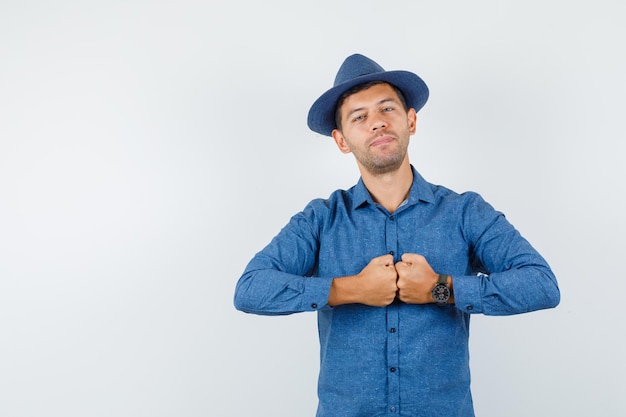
(356, 66)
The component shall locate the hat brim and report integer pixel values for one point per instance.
(321, 118)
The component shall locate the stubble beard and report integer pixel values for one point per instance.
(380, 164)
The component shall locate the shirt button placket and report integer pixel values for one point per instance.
(393, 314)
(393, 380)
(391, 236)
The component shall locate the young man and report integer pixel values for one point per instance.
(394, 266)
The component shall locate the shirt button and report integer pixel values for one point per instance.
(391, 218)
(392, 330)
(392, 369)
(470, 308)
(313, 305)
(392, 409)
(391, 252)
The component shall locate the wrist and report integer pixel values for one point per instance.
(450, 286)
(442, 293)
(342, 291)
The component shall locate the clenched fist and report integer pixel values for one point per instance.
(375, 285)
(416, 279)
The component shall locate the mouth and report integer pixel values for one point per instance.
(382, 140)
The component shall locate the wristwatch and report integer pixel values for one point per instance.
(441, 292)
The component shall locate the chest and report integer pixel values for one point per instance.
(349, 242)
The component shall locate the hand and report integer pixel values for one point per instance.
(416, 279)
(375, 285)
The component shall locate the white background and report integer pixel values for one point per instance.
(149, 149)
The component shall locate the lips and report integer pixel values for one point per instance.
(383, 140)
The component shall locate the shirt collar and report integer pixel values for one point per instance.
(420, 191)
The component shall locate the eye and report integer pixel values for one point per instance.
(388, 108)
(358, 118)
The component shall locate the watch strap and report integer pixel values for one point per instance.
(443, 279)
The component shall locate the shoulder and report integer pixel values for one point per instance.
(444, 194)
(467, 206)
(318, 214)
(437, 194)
(337, 200)
(441, 195)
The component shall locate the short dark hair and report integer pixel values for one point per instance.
(360, 87)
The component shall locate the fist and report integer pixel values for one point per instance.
(375, 285)
(416, 279)
(378, 281)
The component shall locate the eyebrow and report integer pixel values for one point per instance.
(358, 109)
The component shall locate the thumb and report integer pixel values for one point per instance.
(411, 258)
(386, 260)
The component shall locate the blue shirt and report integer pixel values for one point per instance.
(399, 360)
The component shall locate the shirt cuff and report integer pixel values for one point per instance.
(467, 293)
(316, 292)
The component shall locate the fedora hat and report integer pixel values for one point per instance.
(358, 69)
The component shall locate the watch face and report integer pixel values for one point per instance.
(441, 294)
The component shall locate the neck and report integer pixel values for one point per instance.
(389, 189)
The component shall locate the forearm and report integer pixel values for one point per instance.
(272, 292)
(517, 278)
(375, 285)
(344, 290)
(510, 292)
(278, 279)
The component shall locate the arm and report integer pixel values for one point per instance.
(269, 291)
(278, 279)
(517, 278)
(375, 285)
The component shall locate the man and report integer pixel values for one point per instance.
(394, 266)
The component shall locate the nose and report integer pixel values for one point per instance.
(378, 123)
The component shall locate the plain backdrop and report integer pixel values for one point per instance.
(149, 148)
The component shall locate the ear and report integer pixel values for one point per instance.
(341, 141)
(412, 116)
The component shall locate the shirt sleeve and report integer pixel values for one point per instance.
(280, 278)
(514, 279)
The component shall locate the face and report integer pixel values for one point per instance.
(375, 128)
